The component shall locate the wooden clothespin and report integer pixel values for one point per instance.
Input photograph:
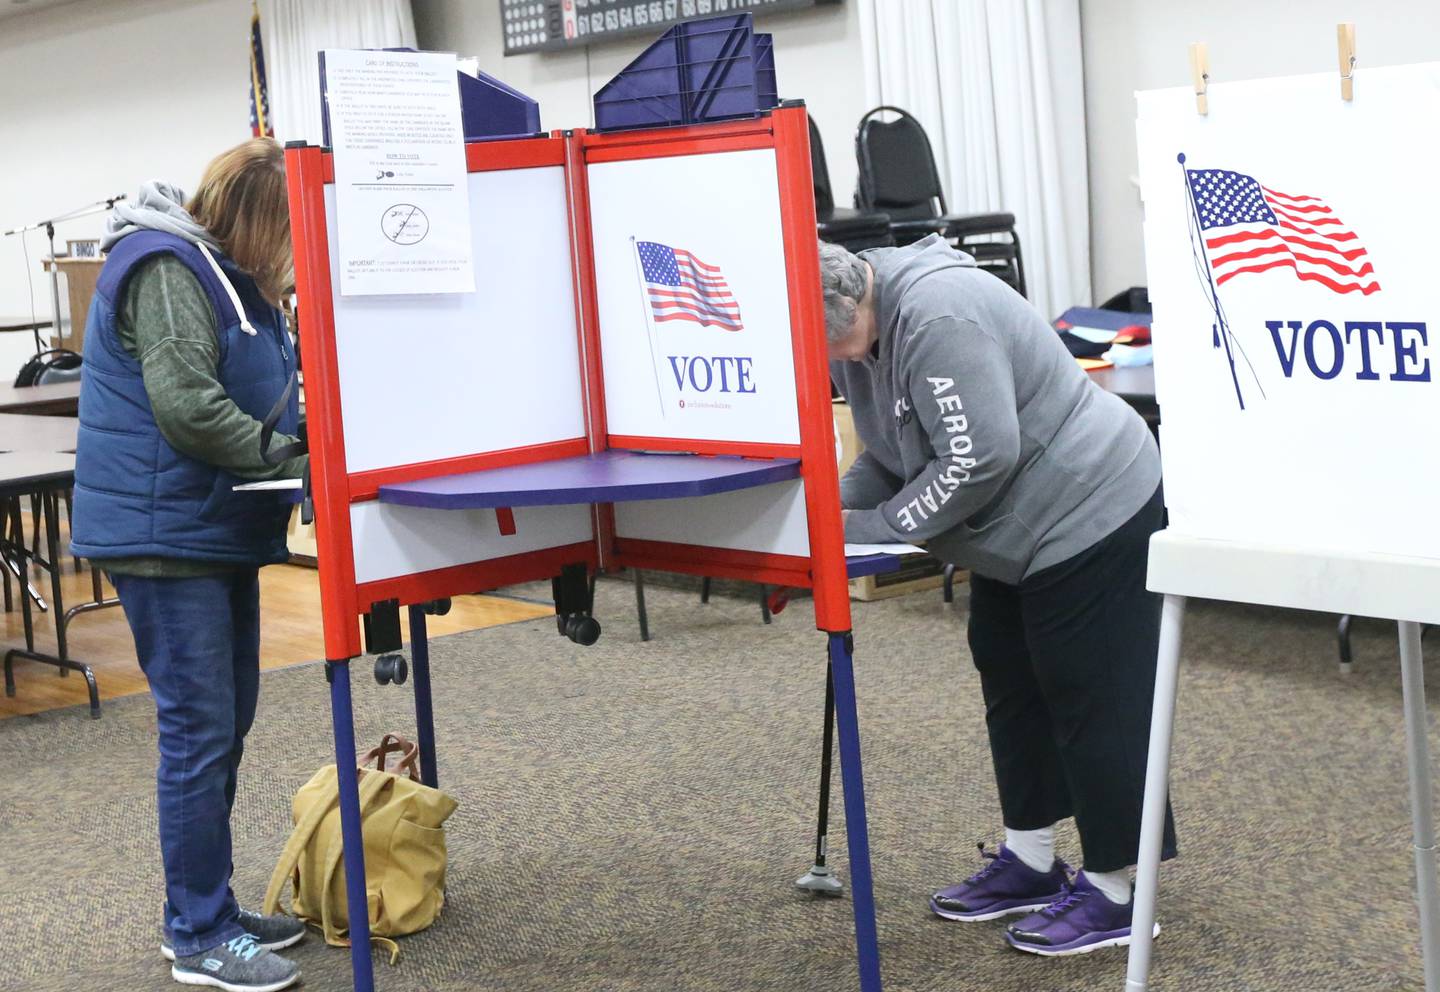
(1345, 37)
(1200, 73)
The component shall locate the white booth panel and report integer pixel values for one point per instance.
(484, 371)
(769, 518)
(693, 298)
(390, 540)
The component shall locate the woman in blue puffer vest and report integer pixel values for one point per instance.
(187, 350)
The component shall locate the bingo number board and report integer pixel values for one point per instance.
(550, 25)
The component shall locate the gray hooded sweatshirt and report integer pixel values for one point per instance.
(983, 437)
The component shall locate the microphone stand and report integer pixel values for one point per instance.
(48, 226)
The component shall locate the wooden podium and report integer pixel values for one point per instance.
(79, 276)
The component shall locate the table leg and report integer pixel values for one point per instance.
(424, 711)
(847, 720)
(1157, 790)
(51, 503)
(1412, 680)
(342, 716)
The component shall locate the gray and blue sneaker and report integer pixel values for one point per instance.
(273, 932)
(239, 965)
(1003, 887)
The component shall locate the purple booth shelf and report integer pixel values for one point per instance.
(605, 477)
(871, 565)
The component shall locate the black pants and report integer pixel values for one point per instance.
(1067, 666)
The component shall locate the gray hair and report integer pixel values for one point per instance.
(842, 278)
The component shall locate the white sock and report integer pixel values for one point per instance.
(1036, 848)
(1115, 884)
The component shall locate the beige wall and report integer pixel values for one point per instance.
(97, 96)
(817, 57)
(1143, 44)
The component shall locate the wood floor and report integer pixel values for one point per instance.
(290, 635)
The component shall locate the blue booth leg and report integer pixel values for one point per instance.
(424, 713)
(847, 722)
(344, 721)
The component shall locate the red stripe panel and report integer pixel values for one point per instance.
(1289, 196)
(723, 563)
(479, 576)
(708, 322)
(692, 258)
(1335, 267)
(1317, 221)
(1230, 239)
(1339, 287)
(721, 304)
(1342, 236)
(1315, 208)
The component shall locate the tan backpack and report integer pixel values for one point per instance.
(404, 849)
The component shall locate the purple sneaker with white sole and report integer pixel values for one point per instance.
(1004, 887)
(1083, 920)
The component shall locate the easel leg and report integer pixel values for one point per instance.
(847, 720)
(1412, 680)
(424, 712)
(640, 612)
(819, 878)
(354, 845)
(1157, 790)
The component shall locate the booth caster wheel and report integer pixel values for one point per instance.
(438, 607)
(582, 629)
(819, 881)
(391, 668)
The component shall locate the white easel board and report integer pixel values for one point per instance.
(430, 377)
(694, 306)
(1333, 341)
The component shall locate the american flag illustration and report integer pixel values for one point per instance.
(1248, 227)
(681, 287)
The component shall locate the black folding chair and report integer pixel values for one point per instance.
(854, 229)
(898, 176)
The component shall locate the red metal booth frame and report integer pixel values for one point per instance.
(335, 489)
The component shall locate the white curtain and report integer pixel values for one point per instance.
(294, 31)
(998, 86)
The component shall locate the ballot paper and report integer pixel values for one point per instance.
(267, 486)
(860, 550)
(402, 194)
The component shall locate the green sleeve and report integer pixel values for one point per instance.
(167, 323)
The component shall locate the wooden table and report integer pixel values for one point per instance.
(54, 399)
(48, 474)
(28, 432)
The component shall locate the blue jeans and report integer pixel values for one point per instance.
(199, 646)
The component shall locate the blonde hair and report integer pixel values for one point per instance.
(242, 202)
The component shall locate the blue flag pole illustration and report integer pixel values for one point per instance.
(649, 325)
(1220, 332)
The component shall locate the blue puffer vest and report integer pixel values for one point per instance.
(137, 496)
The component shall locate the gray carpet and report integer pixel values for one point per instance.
(631, 815)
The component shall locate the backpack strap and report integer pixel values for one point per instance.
(299, 838)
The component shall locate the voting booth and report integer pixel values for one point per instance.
(638, 380)
(1295, 306)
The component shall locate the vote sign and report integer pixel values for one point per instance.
(693, 298)
(1289, 243)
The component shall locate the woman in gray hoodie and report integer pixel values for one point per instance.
(985, 441)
